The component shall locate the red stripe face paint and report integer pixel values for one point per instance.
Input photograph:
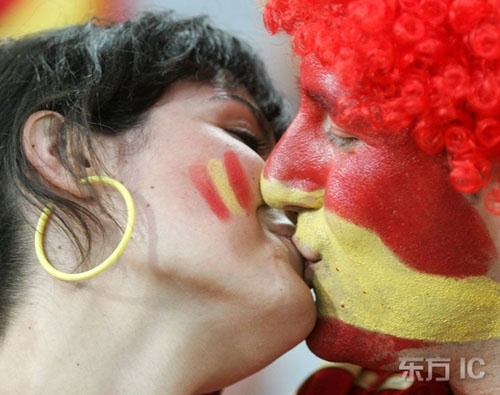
(341, 342)
(404, 195)
(238, 180)
(224, 185)
(201, 179)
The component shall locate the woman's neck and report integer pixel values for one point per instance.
(92, 339)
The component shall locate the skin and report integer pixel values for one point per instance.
(195, 303)
(401, 263)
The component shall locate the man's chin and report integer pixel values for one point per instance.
(336, 341)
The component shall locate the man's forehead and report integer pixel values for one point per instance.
(315, 77)
(344, 107)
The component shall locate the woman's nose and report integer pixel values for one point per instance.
(294, 175)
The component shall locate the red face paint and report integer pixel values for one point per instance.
(301, 157)
(201, 179)
(385, 184)
(238, 180)
(334, 340)
(404, 195)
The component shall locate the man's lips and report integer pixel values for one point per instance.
(306, 252)
(310, 259)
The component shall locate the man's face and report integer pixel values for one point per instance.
(402, 258)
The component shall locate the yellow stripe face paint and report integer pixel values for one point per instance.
(277, 195)
(218, 173)
(361, 282)
(224, 185)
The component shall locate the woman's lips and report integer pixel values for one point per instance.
(280, 225)
(297, 260)
(282, 229)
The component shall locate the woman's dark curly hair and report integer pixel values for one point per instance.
(429, 66)
(102, 78)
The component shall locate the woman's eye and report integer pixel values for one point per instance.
(257, 144)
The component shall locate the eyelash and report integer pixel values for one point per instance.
(342, 141)
(258, 145)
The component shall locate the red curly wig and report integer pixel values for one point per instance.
(431, 66)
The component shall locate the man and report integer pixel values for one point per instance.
(391, 165)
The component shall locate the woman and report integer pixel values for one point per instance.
(209, 288)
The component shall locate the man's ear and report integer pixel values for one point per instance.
(39, 143)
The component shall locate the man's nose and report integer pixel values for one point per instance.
(295, 173)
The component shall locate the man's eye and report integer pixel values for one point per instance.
(343, 141)
(340, 138)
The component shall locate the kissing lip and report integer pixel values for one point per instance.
(283, 230)
(310, 256)
(276, 222)
(297, 260)
(311, 259)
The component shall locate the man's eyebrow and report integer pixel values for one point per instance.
(261, 120)
(316, 87)
(324, 102)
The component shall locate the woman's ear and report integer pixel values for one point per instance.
(39, 143)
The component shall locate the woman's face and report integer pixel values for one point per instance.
(201, 223)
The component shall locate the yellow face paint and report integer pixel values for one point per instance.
(362, 283)
(218, 173)
(225, 186)
(277, 195)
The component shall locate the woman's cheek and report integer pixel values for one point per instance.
(224, 186)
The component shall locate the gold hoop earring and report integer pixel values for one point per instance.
(42, 222)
